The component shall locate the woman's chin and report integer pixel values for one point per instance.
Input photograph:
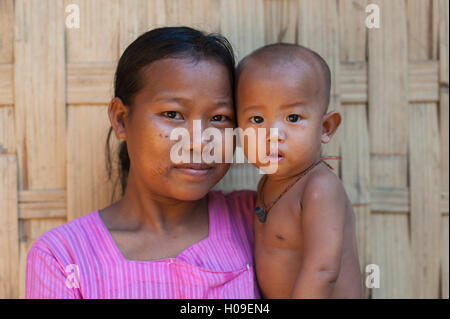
(194, 185)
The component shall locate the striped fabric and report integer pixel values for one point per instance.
(81, 260)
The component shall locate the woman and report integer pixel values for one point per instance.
(169, 236)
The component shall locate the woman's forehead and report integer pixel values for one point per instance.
(186, 82)
(186, 74)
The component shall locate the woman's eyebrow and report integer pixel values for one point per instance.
(184, 100)
(225, 103)
(179, 100)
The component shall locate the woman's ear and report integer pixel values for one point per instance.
(330, 123)
(118, 113)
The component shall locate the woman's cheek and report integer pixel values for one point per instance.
(156, 150)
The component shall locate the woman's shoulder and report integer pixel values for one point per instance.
(64, 239)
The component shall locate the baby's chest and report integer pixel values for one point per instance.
(281, 230)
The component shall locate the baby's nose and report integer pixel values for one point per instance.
(276, 134)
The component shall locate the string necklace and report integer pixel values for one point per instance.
(261, 213)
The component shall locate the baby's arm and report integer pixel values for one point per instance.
(322, 227)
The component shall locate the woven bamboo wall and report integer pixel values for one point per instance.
(390, 84)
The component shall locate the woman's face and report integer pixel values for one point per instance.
(176, 92)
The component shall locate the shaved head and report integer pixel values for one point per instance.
(285, 53)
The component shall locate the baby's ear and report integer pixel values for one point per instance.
(330, 123)
(117, 113)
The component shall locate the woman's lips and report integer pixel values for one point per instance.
(194, 169)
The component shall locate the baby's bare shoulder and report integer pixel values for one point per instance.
(324, 189)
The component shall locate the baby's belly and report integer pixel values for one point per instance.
(276, 271)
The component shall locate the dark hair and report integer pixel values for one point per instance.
(157, 44)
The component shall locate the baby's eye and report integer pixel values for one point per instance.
(256, 119)
(172, 115)
(219, 118)
(293, 118)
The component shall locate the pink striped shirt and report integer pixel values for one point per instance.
(81, 260)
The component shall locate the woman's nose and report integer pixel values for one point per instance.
(197, 140)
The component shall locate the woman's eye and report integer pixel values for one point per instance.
(293, 118)
(219, 118)
(172, 115)
(256, 119)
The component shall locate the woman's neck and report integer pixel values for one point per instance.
(142, 208)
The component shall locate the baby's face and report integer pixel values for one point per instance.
(288, 97)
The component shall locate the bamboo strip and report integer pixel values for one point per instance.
(6, 32)
(281, 21)
(8, 227)
(388, 122)
(425, 197)
(6, 84)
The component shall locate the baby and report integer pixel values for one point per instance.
(305, 243)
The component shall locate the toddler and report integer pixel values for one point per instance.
(305, 244)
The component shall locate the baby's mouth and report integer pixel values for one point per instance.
(278, 156)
